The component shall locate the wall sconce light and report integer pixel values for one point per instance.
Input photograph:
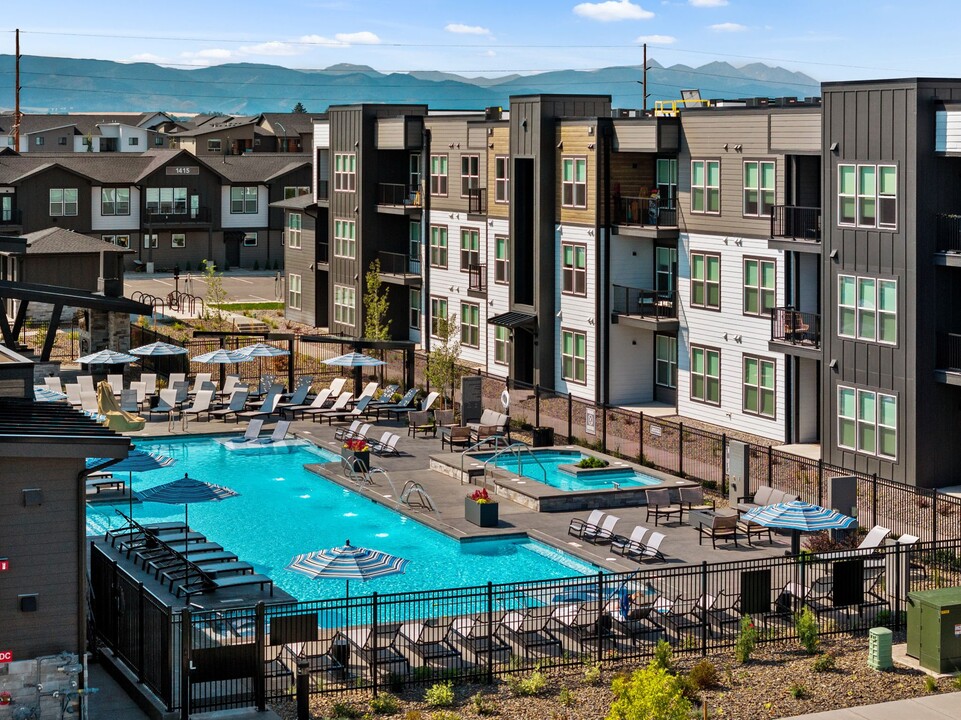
(452, 216)
(590, 321)
(524, 123)
(737, 148)
(725, 241)
(491, 146)
(356, 277)
(490, 223)
(590, 129)
(356, 209)
(738, 338)
(450, 289)
(490, 302)
(590, 146)
(833, 254)
(490, 131)
(560, 145)
(724, 146)
(560, 313)
(739, 242)
(458, 146)
(833, 364)
(310, 266)
(834, 147)
(451, 146)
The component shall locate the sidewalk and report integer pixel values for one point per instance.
(931, 707)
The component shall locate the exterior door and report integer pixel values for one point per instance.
(6, 208)
(194, 206)
(232, 240)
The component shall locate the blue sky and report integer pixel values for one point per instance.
(827, 39)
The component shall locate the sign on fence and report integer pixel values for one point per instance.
(655, 431)
(471, 398)
(590, 421)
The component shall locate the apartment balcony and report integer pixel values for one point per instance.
(948, 240)
(397, 199)
(644, 217)
(477, 201)
(476, 280)
(795, 229)
(646, 309)
(399, 269)
(948, 360)
(322, 255)
(323, 192)
(195, 216)
(796, 333)
(11, 221)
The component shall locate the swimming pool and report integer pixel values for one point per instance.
(551, 460)
(283, 510)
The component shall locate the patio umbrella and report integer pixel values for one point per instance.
(357, 361)
(158, 349)
(221, 357)
(107, 357)
(347, 562)
(41, 393)
(262, 350)
(136, 461)
(798, 516)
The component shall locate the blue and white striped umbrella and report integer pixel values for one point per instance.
(262, 350)
(221, 357)
(798, 516)
(107, 357)
(41, 393)
(354, 359)
(348, 562)
(158, 349)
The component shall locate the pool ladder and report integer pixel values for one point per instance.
(495, 441)
(414, 496)
(517, 450)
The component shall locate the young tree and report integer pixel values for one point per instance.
(216, 293)
(299, 108)
(376, 322)
(442, 371)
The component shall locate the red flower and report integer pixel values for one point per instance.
(480, 496)
(356, 445)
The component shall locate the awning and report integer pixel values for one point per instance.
(514, 320)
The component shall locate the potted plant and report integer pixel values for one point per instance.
(359, 450)
(5, 697)
(480, 509)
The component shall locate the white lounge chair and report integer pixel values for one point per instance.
(150, 382)
(388, 446)
(128, 401)
(73, 393)
(199, 380)
(166, 405)
(175, 378)
(86, 383)
(297, 397)
(651, 550)
(140, 387)
(252, 433)
(116, 383)
(339, 405)
(279, 434)
(230, 384)
(578, 525)
(621, 544)
(88, 403)
(53, 384)
(337, 386)
(317, 404)
(237, 402)
(344, 433)
(604, 533)
(370, 389)
(201, 405)
(266, 409)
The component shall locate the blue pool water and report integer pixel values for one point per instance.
(283, 510)
(551, 474)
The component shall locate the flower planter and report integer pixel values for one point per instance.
(361, 459)
(480, 514)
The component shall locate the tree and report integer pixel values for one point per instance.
(299, 108)
(651, 693)
(376, 322)
(442, 371)
(217, 295)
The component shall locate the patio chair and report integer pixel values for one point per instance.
(73, 393)
(252, 433)
(578, 525)
(477, 637)
(297, 397)
(116, 383)
(531, 630)
(634, 620)
(176, 560)
(272, 396)
(602, 534)
(303, 381)
(582, 620)
(420, 421)
(692, 498)
(724, 614)
(396, 412)
(199, 380)
(340, 405)
(406, 403)
(337, 386)
(174, 378)
(194, 569)
(752, 530)
(386, 447)
(88, 403)
(386, 396)
(871, 544)
(659, 504)
(278, 435)
(722, 527)
(320, 655)
(444, 418)
(231, 383)
(349, 432)
(457, 435)
(379, 652)
(157, 543)
(265, 410)
(150, 383)
(128, 401)
(341, 415)
(429, 639)
(166, 405)
(208, 583)
(369, 390)
(238, 402)
(201, 405)
(621, 544)
(651, 550)
(86, 383)
(683, 615)
(183, 390)
(317, 404)
(140, 387)
(53, 384)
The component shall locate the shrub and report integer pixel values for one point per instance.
(440, 695)
(384, 704)
(345, 710)
(566, 698)
(533, 684)
(798, 691)
(482, 705)
(824, 663)
(957, 682)
(662, 656)
(591, 462)
(746, 640)
(444, 715)
(592, 673)
(650, 692)
(806, 626)
(703, 674)
(930, 684)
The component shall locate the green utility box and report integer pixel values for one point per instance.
(934, 629)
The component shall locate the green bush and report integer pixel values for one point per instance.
(703, 674)
(824, 663)
(651, 692)
(662, 656)
(444, 715)
(566, 698)
(482, 705)
(746, 640)
(591, 462)
(930, 684)
(798, 691)
(345, 710)
(808, 632)
(384, 704)
(592, 673)
(533, 684)
(440, 695)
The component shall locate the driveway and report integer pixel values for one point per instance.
(241, 286)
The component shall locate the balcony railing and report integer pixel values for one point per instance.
(196, 215)
(477, 201)
(644, 303)
(323, 252)
(796, 223)
(397, 194)
(644, 212)
(398, 263)
(949, 233)
(795, 327)
(477, 278)
(949, 352)
(323, 189)
(13, 216)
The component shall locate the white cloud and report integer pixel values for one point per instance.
(728, 27)
(612, 11)
(708, 3)
(657, 39)
(145, 57)
(490, 53)
(461, 29)
(273, 48)
(357, 38)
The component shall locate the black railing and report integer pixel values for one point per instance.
(323, 189)
(397, 194)
(949, 351)
(398, 263)
(796, 223)
(323, 252)
(949, 233)
(645, 212)
(477, 201)
(644, 303)
(13, 216)
(195, 215)
(795, 327)
(477, 278)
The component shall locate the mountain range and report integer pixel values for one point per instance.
(51, 84)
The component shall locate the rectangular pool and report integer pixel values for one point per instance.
(544, 466)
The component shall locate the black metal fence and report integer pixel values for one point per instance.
(796, 327)
(66, 344)
(796, 222)
(643, 303)
(643, 211)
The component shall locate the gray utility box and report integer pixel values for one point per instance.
(934, 629)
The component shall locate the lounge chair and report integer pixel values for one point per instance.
(86, 383)
(320, 655)
(174, 378)
(603, 533)
(386, 396)
(267, 409)
(278, 435)
(133, 528)
(369, 390)
(173, 560)
(336, 386)
(73, 393)
(215, 570)
(297, 397)
(157, 541)
(621, 544)
(404, 404)
(398, 411)
(635, 620)
(380, 653)
(140, 387)
(386, 447)
(685, 615)
(722, 527)
(116, 383)
(150, 383)
(238, 402)
(231, 383)
(349, 432)
(340, 405)
(207, 583)
(53, 384)
(724, 614)
(183, 392)
(478, 637)
(360, 409)
(531, 629)
(128, 401)
(870, 545)
(252, 433)
(89, 404)
(578, 525)
(429, 639)
(659, 504)
(651, 550)
(582, 620)
(201, 405)
(199, 380)
(166, 405)
(317, 404)
(272, 397)
(172, 550)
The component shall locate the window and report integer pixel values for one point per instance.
(438, 175)
(868, 309)
(345, 301)
(665, 269)
(415, 308)
(414, 246)
(758, 188)
(250, 239)
(438, 246)
(414, 172)
(294, 226)
(502, 259)
(293, 291)
(759, 286)
(574, 182)
(114, 201)
(758, 380)
(214, 145)
(706, 280)
(62, 140)
(345, 242)
(470, 324)
(705, 375)
(573, 269)
(665, 360)
(119, 240)
(150, 240)
(178, 240)
(666, 182)
(706, 186)
(243, 200)
(469, 248)
(158, 140)
(868, 196)
(345, 172)
(39, 140)
(469, 174)
(296, 191)
(501, 338)
(868, 422)
(438, 313)
(134, 141)
(502, 179)
(63, 201)
(574, 356)
(167, 200)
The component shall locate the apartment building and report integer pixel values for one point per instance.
(88, 132)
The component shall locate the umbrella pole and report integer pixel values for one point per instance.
(795, 542)
(130, 502)
(348, 588)
(186, 543)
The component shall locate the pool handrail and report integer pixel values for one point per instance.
(515, 449)
(494, 440)
(413, 487)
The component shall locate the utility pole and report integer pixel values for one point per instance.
(16, 112)
(644, 83)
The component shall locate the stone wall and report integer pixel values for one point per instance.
(46, 681)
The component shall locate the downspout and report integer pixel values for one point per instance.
(424, 241)
(603, 283)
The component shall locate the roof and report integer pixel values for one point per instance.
(55, 430)
(514, 320)
(259, 167)
(300, 202)
(288, 124)
(217, 125)
(60, 241)
(85, 123)
(99, 168)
